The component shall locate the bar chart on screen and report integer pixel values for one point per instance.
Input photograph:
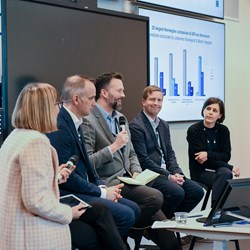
(186, 62)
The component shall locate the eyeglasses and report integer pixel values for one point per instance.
(59, 104)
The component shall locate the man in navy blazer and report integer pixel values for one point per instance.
(150, 136)
(78, 97)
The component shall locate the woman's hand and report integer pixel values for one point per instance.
(64, 172)
(236, 171)
(78, 210)
(201, 157)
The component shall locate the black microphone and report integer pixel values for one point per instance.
(70, 163)
(122, 122)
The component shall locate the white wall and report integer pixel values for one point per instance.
(237, 97)
(237, 85)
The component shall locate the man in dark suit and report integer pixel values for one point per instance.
(151, 139)
(113, 155)
(78, 97)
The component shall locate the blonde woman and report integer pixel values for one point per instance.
(31, 215)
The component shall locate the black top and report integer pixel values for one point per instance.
(215, 141)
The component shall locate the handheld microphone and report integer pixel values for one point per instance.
(122, 122)
(70, 163)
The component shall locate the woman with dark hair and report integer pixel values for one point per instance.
(209, 148)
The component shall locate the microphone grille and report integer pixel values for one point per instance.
(122, 120)
(74, 159)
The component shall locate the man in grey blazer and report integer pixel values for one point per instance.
(113, 155)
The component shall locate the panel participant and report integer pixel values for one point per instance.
(113, 155)
(31, 215)
(151, 139)
(78, 96)
(209, 147)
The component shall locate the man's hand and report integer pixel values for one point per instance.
(177, 178)
(121, 139)
(113, 193)
(135, 174)
(201, 157)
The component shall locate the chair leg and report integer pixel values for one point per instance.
(237, 245)
(137, 244)
(191, 247)
(204, 204)
(136, 248)
(137, 236)
(178, 236)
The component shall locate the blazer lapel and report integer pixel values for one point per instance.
(72, 128)
(104, 126)
(162, 138)
(151, 131)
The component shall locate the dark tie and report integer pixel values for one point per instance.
(85, 154)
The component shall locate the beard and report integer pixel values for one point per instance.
(114, 104)
(117, 107)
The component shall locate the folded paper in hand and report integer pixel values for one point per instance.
(141, 179)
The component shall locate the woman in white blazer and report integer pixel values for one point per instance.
(31, 215)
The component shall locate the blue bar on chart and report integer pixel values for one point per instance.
(173, 86)
(188, 90)
(159, 83)
(200, 78)
(156, 71)
(187, 86)
(162, 83)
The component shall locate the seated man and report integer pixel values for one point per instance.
(151, 139)
(78, 96)
(113, 155)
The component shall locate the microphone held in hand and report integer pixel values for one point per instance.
(70, 163)
(122, 122)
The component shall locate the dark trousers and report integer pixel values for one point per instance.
(178, 198)
(216, 180)
(124, 212)
(150, 201)
(96, 230)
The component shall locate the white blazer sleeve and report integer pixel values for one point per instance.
(39, 186)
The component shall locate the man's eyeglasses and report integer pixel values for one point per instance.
(59, 104)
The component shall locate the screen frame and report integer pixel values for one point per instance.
(142, 22)
(163, 6)
(217, 214)
(149, 8)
